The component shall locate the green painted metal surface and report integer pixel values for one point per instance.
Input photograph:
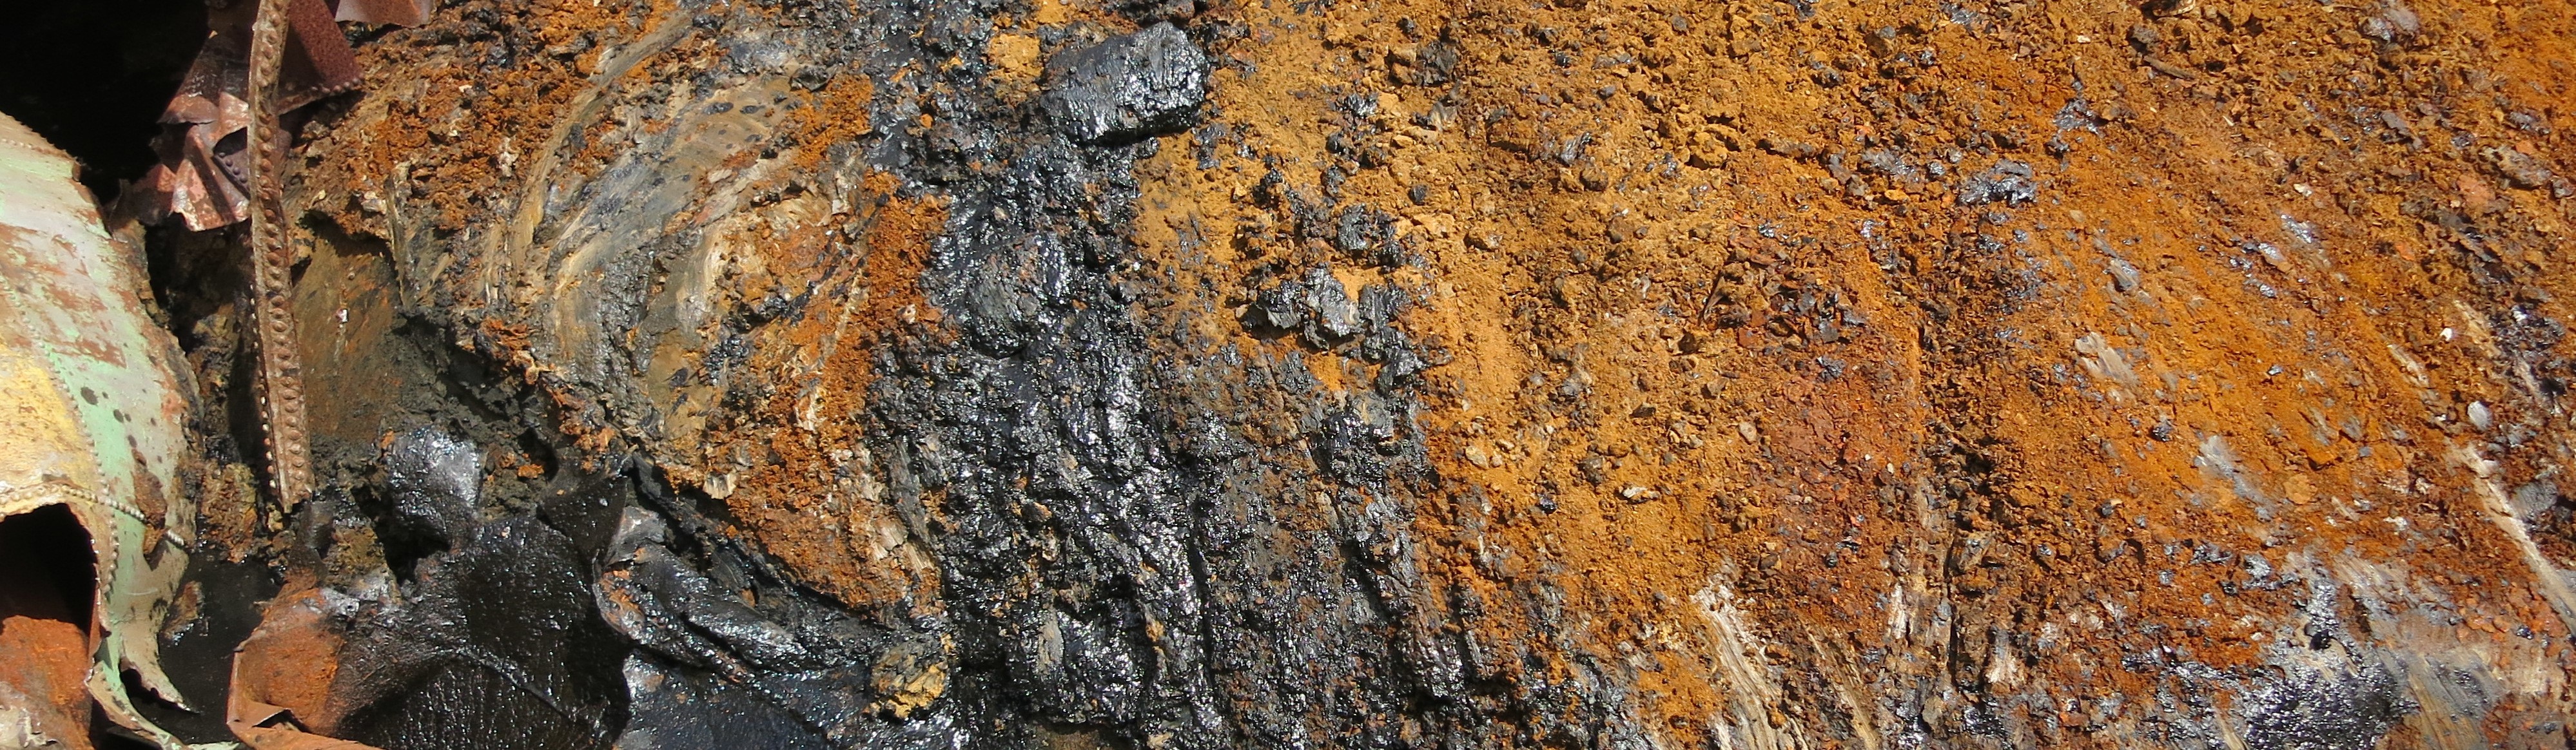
(90, 413)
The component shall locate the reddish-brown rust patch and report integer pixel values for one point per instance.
(459, 126)
(282, 696)
(801, 479)
(837, 114)
(43, 653)
(288, 663)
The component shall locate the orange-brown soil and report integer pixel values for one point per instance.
(1721, 284)
(1814, 374)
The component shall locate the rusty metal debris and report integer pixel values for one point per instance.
(282, 675)
(94, 418)
(204, 169)
(393, 12)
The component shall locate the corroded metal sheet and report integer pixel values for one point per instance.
(88, 402)
(199, 179)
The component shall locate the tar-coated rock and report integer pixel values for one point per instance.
(2008, 181)
(494, 646)
(677, 709)
(1144, 83)
(435, 480)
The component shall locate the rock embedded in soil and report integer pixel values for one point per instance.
(1143, 83)
(2008, 182)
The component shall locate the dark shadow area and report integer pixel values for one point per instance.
(45, 565)
(92, 76)
(196, 653)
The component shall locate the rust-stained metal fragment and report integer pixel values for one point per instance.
(282, 676)
(202, 177)
(89, 402)
(395, 12)
(318, 61)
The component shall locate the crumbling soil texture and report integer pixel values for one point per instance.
(1603, 373)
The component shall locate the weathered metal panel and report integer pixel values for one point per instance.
(90, 416)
